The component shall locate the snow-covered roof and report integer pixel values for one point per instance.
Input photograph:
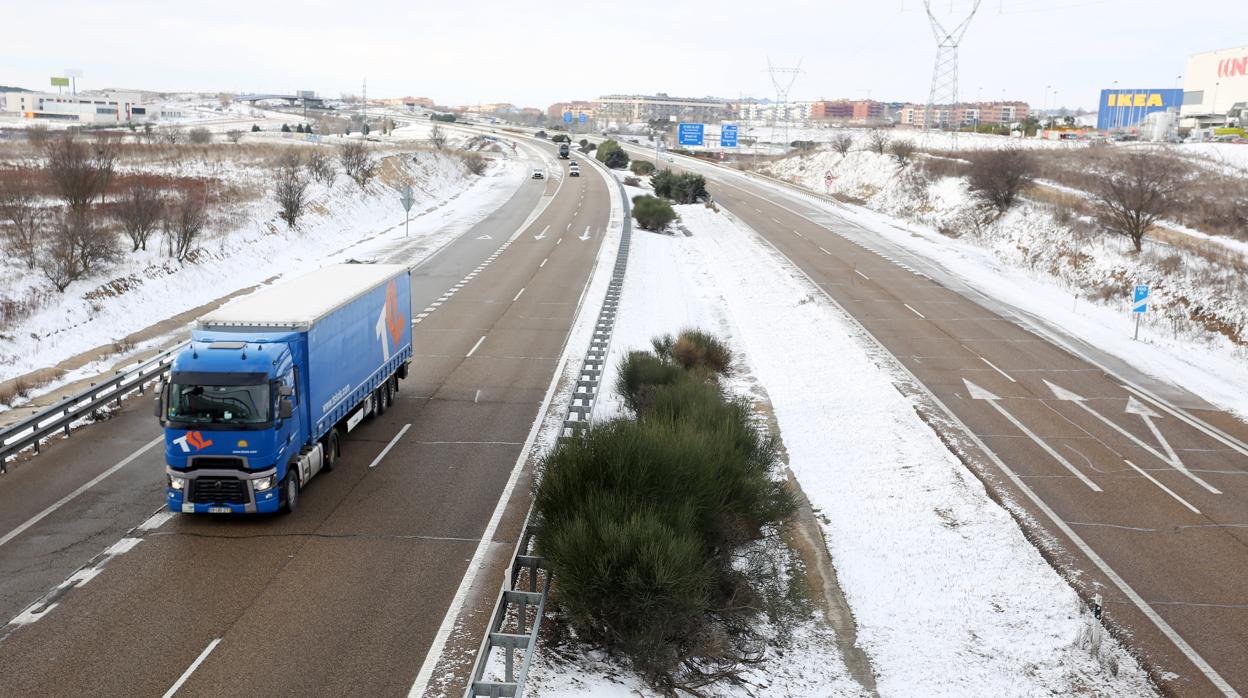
(300, 302)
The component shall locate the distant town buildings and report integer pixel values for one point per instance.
(638, 109)
(957, 115)
(86, 108)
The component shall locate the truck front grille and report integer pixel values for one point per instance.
(218, 490)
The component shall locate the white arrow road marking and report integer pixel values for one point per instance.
(1134, 407)
(541, 235)
(1138, 408)
(485, 237)
(978, 393)
(585, 236)
(1167, 490)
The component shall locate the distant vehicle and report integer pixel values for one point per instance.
(574, 170)
(564, 150)
(539, 173)
(259, 401)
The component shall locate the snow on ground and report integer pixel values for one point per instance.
(343, 224)
(948, 595)
(1033, 262)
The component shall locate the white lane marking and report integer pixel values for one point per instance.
(542, 234)
(156, 520)
(978, 393)
(69, 497)
(1165, 489)
(30, 615)
(1212, 431)
(585, 236)
(476, 398)
(994, 367)
(191, 669)
(865, 277)
(777, 220)
(544, 261)
(389, 446)
(1140, 409)
(567, 228)
(758, 210)
(521, 293)
(1138, 601)
(824, 251)
(474, 347)
(560, 240)
(915, 311)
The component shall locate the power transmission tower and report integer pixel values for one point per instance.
(782, 95)
(945, 74)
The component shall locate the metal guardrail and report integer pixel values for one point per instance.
(517, 615)
(31, 431)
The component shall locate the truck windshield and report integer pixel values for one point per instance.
(218, 404)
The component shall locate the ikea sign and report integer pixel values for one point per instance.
(1121, 109)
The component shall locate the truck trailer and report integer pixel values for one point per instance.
(260, 399)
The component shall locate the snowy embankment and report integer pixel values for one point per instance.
(1074, 279)
(342, 222)
(948, 595)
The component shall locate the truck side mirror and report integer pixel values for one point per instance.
(285, 408)
(284, 390)
(159, 401)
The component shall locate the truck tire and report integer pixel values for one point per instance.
(394, 386)
(290, 490)
(332, 448)
(383, 398)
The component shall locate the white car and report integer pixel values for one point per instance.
(574, 170)
(539, 173)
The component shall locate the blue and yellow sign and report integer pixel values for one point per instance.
(1121, 109)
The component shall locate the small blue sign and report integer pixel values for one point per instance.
(1139, 303)
(583, 118)
(567, 117)
(689, 134)
(728, 136)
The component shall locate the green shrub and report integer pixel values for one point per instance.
(642, 168)
(611, 154)
(652, 213)
(695, 349)
(685, 188)
(446, 118)
(639, 373)
(632, 182)
(540, 134)
(561, 138)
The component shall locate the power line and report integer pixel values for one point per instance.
(782, 94)
(945, 74)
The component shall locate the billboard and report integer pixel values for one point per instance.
(1215, 81)
(1120, 109)
(60, 82)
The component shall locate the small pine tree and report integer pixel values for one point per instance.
(285, 128)
(255, 128)
(298, 128)
(364, 130)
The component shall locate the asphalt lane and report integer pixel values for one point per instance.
(1157, 497)
(347, 592)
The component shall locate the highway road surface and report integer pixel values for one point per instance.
(1136, 489)
(110, 596)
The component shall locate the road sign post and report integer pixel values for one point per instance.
(728, 136)
(407, 199)
(828, 177)
(1139, 305)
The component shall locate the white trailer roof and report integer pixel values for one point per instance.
(300, 302)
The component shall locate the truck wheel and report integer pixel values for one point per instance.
(290, 490)
(394, 387)
(330, 458)
(383, 398)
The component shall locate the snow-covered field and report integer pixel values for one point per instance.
(948, 596)
(343, 223)
(1034, 262)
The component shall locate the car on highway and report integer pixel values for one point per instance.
(539, 173)
(574, 170)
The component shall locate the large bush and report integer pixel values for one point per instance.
(684, 188)
(652, 213)
(642, 168)
(612, 154)
(640, 373)
(998, 176)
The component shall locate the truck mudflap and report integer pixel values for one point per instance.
(222, 491)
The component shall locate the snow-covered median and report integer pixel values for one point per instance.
(948, 596)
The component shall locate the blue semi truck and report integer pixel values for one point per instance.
(259, 401)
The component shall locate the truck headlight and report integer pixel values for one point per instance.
(177, 483)
(264, 483)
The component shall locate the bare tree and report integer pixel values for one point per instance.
(184, 221)
(1137, 189)
(79, 171)
(321, 167)
(21, 215)
(842, 143)
(357, 162)
(200, 135)
(139, 211)
(37, 135)
(75, 248)
(171, 135)
(437, 137)
(290, 188)
(475, 162)
(877, 141)
(902, 151)
(998, 176)
(234, 135)
(225, 99)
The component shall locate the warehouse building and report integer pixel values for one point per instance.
(1216, 83)
(99, 108)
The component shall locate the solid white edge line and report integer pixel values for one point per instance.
(67, 498)
(1138, 601)
(389, 446)
(191, 669)
(1165, 489)
(915, 311)
(438, 646)
(994, 367)
(474, 347)
(521, 293)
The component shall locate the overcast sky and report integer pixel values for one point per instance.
(532, 54)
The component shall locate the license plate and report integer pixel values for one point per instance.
(188, 508)
(219, 510)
